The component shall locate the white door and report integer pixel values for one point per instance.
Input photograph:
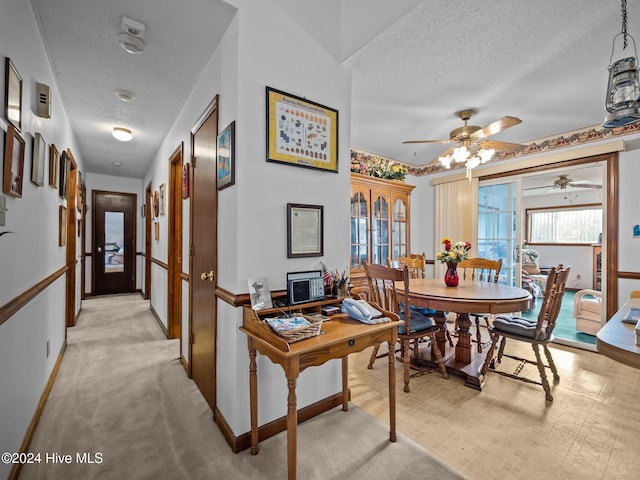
(500, 227)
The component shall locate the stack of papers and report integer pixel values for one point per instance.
(287, 323)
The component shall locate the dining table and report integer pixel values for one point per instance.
(617, 339)
(468, 297)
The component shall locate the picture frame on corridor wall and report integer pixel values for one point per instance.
(156, 227)
(301, 132)
(226, 157)
(12, 95)
(54, 166)
(305, 236)
(64, 175)
(185, 180)
(156, 204)
(13, 163)
(163, 198)
(39, 160)
(62, 226)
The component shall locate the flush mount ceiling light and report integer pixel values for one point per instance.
(125, 96)
(122, 134)
(623, 88)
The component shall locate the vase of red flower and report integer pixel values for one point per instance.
(451, 275)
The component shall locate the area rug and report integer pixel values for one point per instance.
(123, 407)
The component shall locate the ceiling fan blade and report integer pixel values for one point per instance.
(543, 186)
(429, 141)
(497, 126)
(501, 146)
(585, 185)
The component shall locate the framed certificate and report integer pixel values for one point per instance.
(304, 230)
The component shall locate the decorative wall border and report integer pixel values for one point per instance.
(569, 139)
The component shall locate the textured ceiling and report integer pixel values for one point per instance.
(544, 62)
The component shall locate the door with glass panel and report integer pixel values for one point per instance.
(499, 227)
(113, 255)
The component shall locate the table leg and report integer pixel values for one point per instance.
(292, 425)
(463, 347)
(345, 383)
(392, 392)
(441, 335)
(253, 398)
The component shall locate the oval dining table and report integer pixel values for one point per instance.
(468, 297)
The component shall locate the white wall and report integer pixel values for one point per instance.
(628, 216)
(32, 253)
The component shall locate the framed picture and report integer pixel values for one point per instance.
(156, 227)
(64, 174)
(38, 162)
(12, 95)
(185, 180)
(54, 166)
(301, 132)
(226, 163)
(13, 163)
(79, 189)
(62, 226)
(156, 204)
(163, 197)
(305, 230)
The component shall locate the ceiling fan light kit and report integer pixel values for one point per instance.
(623, 87)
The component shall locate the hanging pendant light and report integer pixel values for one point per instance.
(623, 88)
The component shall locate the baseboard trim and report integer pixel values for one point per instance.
(157, 317)
(185, 364)
(28, 436)
(242, 442)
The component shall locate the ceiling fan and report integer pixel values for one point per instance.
(564, 181)
(471, 141)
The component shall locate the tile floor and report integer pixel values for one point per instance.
(508, 431)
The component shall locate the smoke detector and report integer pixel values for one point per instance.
(130, 37)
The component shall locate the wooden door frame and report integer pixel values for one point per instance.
(174, 247)
(147, 241)
(71, 254)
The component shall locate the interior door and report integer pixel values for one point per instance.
(500, 227)
(204, 249)
(114, 242)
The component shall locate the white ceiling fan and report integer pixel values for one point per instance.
(564, 181)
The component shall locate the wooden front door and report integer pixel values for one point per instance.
(204, 249)
(114, 242)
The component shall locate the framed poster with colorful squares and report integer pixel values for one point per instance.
(301, 132)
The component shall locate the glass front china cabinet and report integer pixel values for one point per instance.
(379, 222)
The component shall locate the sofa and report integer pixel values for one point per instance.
(587, 310)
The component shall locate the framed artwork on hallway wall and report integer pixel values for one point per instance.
(12, 95)
(13, 163)
(64, 175)
(38, 160)
(305, 236)
(54, 166)
(301, 132)
(163, 199)
(62, 226)
(226, 157)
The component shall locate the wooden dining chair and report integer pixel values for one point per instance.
(415, 266)
(481, 270)
(383, 292)
(535, 332)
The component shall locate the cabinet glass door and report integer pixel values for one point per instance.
(399, 229)
(359, 216)
(380, 226)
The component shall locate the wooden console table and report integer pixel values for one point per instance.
(617, 339)
(340, 337)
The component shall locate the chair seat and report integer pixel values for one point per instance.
(419, 320)
(518, 326)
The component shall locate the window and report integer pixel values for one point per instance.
(566, 225)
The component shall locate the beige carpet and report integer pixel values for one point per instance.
(122, 392)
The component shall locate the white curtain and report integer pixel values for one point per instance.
(456, 215)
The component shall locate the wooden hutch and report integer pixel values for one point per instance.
(380, 216)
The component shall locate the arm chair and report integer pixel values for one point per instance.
(383, 289)
(481, 270)
(587, 310)
(535, 332)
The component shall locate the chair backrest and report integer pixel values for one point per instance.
(635, 294)
(415, 266)
(551, 301)
(480, 269)
(383, 289)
